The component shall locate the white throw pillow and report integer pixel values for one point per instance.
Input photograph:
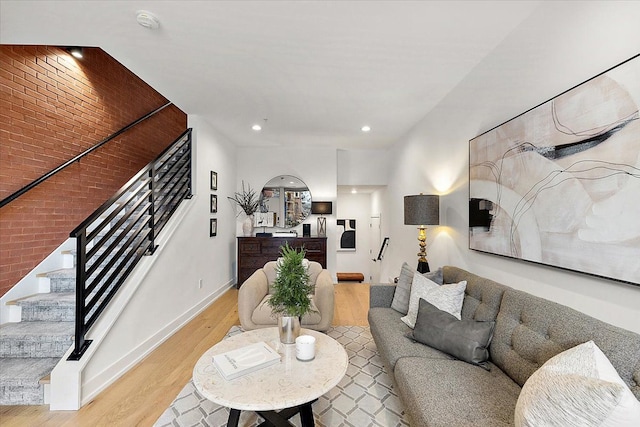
(447, 298)
(578, 387)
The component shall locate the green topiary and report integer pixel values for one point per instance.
(291, 287)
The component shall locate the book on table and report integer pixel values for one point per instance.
(235, 363)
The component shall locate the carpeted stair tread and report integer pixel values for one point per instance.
(48, 307)
(62, 280)
(49, 299)
(26, 370)
(36, 329)
(35, 339)
(63, 273)
(20, 380)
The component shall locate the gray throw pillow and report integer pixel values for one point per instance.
(466, 340)
(402, 293)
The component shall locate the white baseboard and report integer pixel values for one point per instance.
(110, 374)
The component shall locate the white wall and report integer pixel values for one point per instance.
(358, 207)
(363, 167)
(561, 45)
(169, 295)
(317, 167)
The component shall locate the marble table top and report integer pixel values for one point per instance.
(283, 385)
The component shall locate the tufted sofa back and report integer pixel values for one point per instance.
(482, 296)
(530, 330)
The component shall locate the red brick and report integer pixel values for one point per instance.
(80, 104)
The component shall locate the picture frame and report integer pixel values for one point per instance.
(214, 203)
(346, 235)
(213, 227)
(214, 180)
(557, 185)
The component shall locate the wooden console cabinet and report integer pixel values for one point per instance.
(255, 252)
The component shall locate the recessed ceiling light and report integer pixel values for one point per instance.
(365, 128)
(256, 127)
(354, 191)
(147, 19)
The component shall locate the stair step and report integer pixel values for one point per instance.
(51, 307)
(35, 339)
(63, 280)
(21, 380)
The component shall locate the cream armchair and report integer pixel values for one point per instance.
(255, 312)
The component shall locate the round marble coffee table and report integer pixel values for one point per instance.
(290, 386)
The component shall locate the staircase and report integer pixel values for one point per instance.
(31, 348)
(109, 245)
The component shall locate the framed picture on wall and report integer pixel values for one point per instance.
(214, 203)
(213, 227)
(558, 185)
(346, 234)
(214, 180)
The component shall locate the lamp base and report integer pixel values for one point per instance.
(322, 227)
(423, 267)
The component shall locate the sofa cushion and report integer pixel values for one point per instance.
(530, 330)
(448, 393)
(445, 297)
(401, 297)
(467, 340)
(263, 314)
(482, 296)
(389, 334)
(381, 294)
(577, 387)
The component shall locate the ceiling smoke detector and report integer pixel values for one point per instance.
(147, 19)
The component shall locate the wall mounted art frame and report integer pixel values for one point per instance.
(346, 234)
(560, 184)
(214, 180)
(214, 203)
(213, 227)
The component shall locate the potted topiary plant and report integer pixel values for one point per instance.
(290, 300)
(248, 201)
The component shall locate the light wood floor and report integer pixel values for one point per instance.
(142, 395)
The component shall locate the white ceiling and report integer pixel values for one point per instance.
(317, 71)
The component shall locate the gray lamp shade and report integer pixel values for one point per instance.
(321, 208)
(423, 209)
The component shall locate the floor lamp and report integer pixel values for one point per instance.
(422, 210)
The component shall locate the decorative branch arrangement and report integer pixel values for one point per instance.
(247, 199)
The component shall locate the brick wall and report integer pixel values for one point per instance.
(53, 107)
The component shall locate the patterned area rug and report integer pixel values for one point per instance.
(364, 397)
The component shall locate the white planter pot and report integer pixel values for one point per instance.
(247, 226)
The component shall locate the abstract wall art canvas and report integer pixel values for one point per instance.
(560, 184)
(346, 234)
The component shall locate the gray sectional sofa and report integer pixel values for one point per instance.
(439, 390)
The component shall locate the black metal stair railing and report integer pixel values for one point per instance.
(111, 242)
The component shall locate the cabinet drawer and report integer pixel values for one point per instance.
(314, 246)
(250, 248)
